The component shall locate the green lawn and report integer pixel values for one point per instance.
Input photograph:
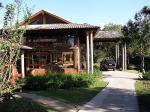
(23, 105)
(74, 96)
(143, 94)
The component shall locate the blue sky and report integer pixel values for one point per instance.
(97, 12)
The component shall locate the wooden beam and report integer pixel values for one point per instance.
(116, 50)
(22, 65)
(91, 52)
(87, 52)
(118, 55)
(78, 44)
(125, 57)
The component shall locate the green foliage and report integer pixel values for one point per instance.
(33, 83)
(146, 76)
(113, 27)
(96, 68)
(106, 49)
(59, 80)
(137, 33)
(99, 53)
(9, 15)
(103, 50)
(11, 40)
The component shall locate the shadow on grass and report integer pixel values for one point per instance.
(22, 105)
(74, 97)
(144, 102)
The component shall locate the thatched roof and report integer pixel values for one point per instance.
(58, 26)
(107, 36)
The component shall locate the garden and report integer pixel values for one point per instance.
(75, 89)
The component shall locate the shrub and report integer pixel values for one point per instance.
(36, 83)
(146, 76)
(60, 80)
(79, 80)
(96, 68)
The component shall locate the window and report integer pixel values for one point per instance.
(68, 58)
(71, 41)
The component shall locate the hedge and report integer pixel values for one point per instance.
(59, 81)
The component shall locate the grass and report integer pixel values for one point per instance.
(76, 96)
(143, 95)
(23, 105)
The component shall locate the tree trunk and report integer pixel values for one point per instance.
(142, 57)
(142, 64)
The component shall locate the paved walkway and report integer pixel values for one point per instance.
(118, 96)
(60, 106)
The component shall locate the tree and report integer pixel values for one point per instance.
(11, 40)
(113, 27)
(138, 31)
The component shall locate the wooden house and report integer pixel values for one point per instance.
(55, 44)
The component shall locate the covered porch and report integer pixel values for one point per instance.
(119, 43)
(56, 47)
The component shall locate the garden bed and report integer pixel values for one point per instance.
(75, 89)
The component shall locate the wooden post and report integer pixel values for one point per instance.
(87, 52)
(125, 57)
(78, 44)
(91, 52)
(76, 57)
(118, 55)
(50, 57)
(116, 49)
(22, 65)
(122, 57)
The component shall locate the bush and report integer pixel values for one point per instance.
(59, 80)
(96, 68)
(35, 83)
(146, 76)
